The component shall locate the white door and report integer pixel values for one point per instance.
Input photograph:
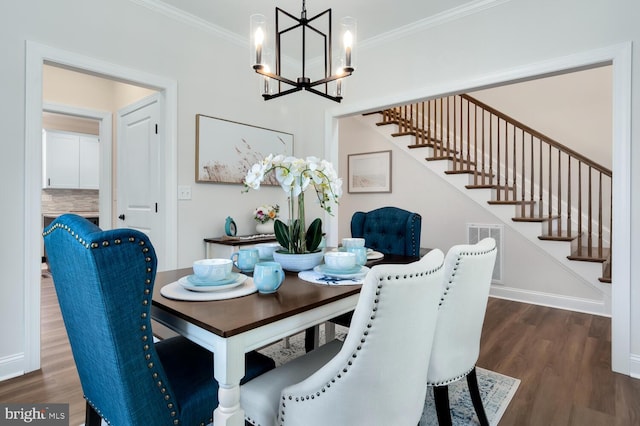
(139, 189)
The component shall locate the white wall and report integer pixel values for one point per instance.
(214, 79)
(573, 109)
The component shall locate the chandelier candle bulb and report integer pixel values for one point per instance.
(348, 32)
(258, 36)
(259, 41)
(348, 40)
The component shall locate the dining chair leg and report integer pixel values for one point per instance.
(441, 398)
(472, 381)
(311, 336)
(92, 418)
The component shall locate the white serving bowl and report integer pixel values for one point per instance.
(266, 250)
(212, 269)
(340, 260)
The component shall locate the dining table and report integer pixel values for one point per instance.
(232, 327)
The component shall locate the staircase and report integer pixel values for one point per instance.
(545, 182)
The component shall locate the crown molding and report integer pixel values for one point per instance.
(192, 20)
(180, 15)
(467, 9)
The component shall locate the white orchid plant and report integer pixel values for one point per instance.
(295, 175)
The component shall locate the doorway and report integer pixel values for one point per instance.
(619, 56)
(37, 56)
(62, 117)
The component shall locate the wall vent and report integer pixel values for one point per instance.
(476, 232)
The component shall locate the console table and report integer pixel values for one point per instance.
(223, 247)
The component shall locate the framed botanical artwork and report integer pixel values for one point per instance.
(225, 150)
(369, 172)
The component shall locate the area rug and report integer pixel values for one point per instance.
(496, 389)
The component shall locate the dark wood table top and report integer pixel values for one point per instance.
(229, 317)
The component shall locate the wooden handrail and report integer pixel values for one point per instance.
(501, 152)
(539, 135)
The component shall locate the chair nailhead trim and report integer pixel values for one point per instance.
(451, 280)
(454, 379)
(144, 327)
(363, 339)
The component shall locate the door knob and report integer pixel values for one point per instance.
(121, 217)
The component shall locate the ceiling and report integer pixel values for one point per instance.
(375, 17)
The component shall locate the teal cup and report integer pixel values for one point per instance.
(245, 259)
(361, 254)
(268, 276)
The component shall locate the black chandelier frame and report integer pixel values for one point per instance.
(304, 82)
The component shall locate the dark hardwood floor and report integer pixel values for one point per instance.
(562, 358)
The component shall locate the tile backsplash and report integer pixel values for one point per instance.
(69, 200)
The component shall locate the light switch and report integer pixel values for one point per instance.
(184, 192)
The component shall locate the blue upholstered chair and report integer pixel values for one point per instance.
(389, 230)
(104, 282)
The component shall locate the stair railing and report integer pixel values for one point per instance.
(547, 181)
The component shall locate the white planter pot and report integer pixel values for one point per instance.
(298, 262)
(265, 228)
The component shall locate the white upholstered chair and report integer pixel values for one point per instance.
(378, 376)
(465, 289)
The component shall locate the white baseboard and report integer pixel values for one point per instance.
(12, 366)
(588, 306)
(634, 366)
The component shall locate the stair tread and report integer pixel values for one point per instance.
(586, 259)
(511, 202)
(467, 171)
(439, 158)
(409, 133)
(533, 218)
(429, 143)
(477, 186)
(421, 145)
(562, 237)
(594, 257)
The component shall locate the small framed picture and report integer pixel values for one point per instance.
(369, 172)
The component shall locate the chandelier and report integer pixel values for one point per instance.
(328, 85)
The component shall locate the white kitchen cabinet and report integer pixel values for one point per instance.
(70, 160)
(89, 162)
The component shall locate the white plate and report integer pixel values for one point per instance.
(195, 281)
(175, 291)
(374, 255)
(322, 269)
(184, 282)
